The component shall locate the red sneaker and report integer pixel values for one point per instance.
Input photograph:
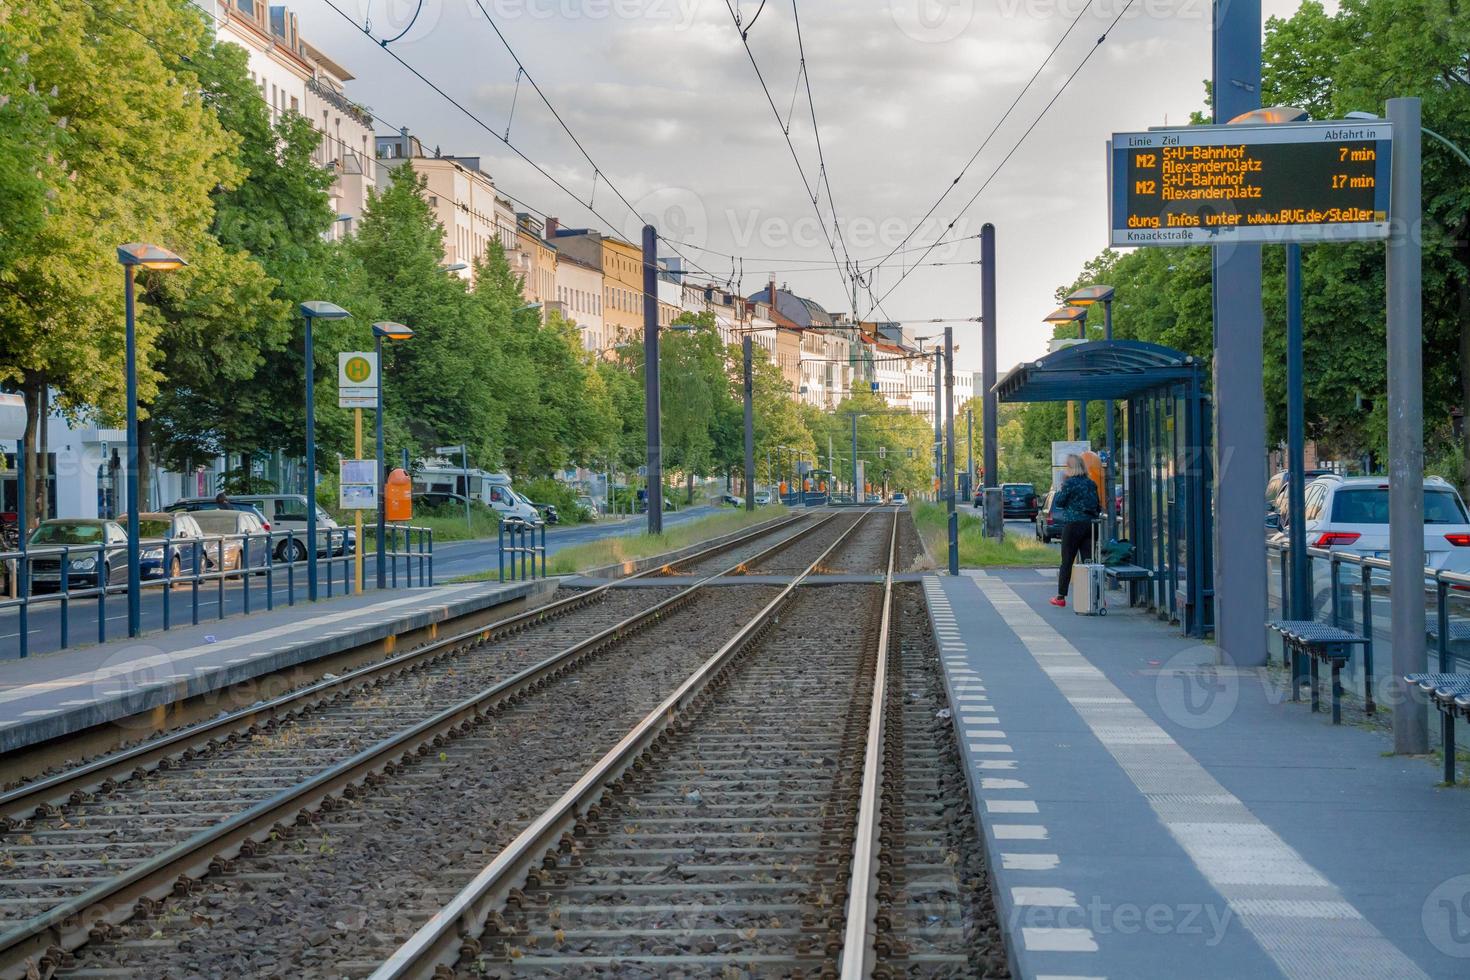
(1057, 600)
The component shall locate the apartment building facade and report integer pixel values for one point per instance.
(534, 260)
(462, 197)
(579, 299)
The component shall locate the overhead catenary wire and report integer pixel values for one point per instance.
(588, 204)
(842, 273)
(821, 262)
(1016, 146)
(990, 135)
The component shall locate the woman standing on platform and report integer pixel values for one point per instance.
(1076, 507)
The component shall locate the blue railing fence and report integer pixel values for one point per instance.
(519, 550)
(1352, 592)
(182, 572)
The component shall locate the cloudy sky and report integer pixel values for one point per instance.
(663, 98)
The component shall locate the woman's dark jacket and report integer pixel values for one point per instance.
(1076, 501)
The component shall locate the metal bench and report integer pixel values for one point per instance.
(1450, 693)
(1320, 643)
(1129, 575)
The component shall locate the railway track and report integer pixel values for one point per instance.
(736, 827)
(90, 847)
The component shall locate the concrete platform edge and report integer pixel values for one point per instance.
(35, 731)
(999, 897)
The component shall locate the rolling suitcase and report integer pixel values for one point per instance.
(1089, 587)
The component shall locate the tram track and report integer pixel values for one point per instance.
(63, 846)
(736, 827)
(798, 808)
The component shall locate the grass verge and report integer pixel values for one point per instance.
(976, 550)
(627, 547)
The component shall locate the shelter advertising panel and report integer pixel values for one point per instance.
(1218, 185)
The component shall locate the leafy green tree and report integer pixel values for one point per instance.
(141, 157)
(1318, 61)
(234, 364)
(446, 382)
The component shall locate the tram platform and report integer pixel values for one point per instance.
(1147, 814)
(156, 681)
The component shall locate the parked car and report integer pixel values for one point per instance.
(1351, 514)
(227, 532)
(1276, 491)
(281, 512)
(589, 506)
(730, 500)
(642, 502)
(100, 555)
(763, 497)
(1046, 518)
(1019, 500)
(168, 544)
(548, 512)
(899, 499)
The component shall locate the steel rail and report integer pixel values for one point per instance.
(69, 924)
(858, 954)
(455, 929)
(43, 797)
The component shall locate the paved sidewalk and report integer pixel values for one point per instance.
(54, 694)
(1148, 815)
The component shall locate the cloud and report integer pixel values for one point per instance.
(663, 97)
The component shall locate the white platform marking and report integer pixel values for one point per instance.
(1054, 939)
(1242, 858)
(1029, 862)
(1052, 898)
(1010, 806)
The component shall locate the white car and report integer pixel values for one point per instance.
(762, 498)
(899, 499)
(1351, 514)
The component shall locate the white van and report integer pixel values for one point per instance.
(507, 501)
(437, 482)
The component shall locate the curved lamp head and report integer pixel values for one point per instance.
(1270, 116)
(318, 309)
(145, 256)
(1066, 314)
(1088, 295)
(389, 330)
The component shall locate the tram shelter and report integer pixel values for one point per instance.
(1164, 460)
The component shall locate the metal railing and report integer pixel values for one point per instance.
(181, 571)
(522, 538)
(1352, 592)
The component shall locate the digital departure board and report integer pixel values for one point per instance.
(1216, 185)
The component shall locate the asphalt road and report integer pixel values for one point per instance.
(451, 560)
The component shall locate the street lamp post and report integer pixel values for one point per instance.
(313, 310)
(383, 330)
(1077, 315)
(133, 256)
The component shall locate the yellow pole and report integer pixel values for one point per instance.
(1071, 421)
(357, 514)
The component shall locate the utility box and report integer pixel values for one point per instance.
(995, 523)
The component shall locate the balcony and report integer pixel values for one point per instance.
(340, 102)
